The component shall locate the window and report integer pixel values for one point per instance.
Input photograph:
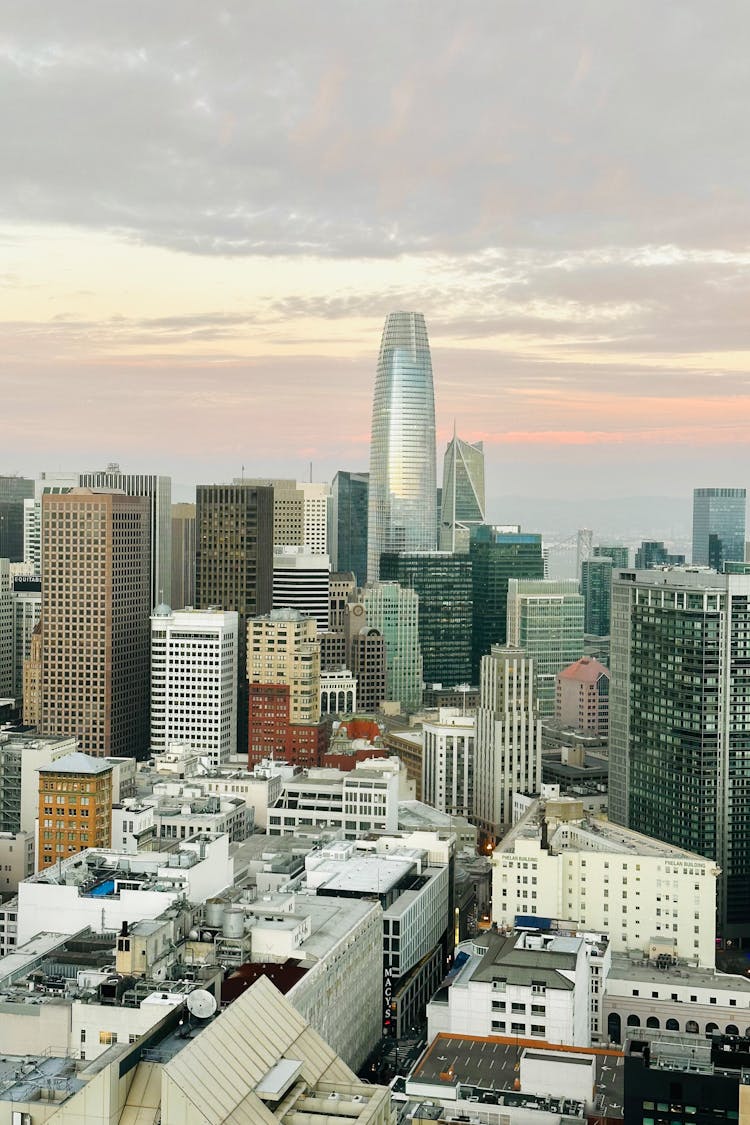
(107, 1037)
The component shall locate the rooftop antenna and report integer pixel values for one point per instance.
(311, 472)
(242, 472)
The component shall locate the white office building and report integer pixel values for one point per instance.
(364, 799)
(448, 762)
(194, 681)
(647, 895)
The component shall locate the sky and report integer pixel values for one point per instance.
(206, 211)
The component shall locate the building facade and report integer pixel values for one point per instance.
(448, 763)
(462, 498)
(158, 491)
(13, 491)
(443, 583)
(394, 611)
(679, 729)
(497, 555)
(718, 526)
(75, 807)
(194, 667)
(183, 556)
(545, 619)
(347, 527)
(302, 581)
(508, 755)
(596, 588)
(94, 626)
(582, 697)
(402, 490)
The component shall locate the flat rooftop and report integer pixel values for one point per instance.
(362, 874)
(627, 967)
(493, 1064)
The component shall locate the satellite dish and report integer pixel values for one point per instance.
(201, 1004)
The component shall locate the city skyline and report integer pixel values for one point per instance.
(192, 265)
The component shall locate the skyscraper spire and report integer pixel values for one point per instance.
(402, 499)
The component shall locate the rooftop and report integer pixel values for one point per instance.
(78, 763)
(587, 670)
(634, 967)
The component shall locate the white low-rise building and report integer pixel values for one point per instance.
(530, 985)
(364, 799)
(338, 692)
(597, 876)
(102, 889)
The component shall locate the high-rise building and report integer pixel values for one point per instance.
(13, 491)
(619, 554)
(183, 555)
(498, 554)
(402, 498)
(652, 553)
(95, 613)
(300, 513)
(342, 587)
(448, 763)
(234, 563)
(158, 491)
(545, 619)
(283, 670)
(302, 581)
(26, 608)
(679, 734)
(718, 526)
(366, 656)
(347, 526)
(75, 807)
(394, 611)
(508, 757)
(443, 583)
(596, 583)
(462, 497)
(194, 681)
(6, 631)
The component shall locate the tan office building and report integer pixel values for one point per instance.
(94, 681)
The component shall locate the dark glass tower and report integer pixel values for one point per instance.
(402, 501)
(679, 735)
(443, 583)
(13, 492)
(496, 557)
(596, 584)
(347, 535)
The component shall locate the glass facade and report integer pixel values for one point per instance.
(497, 556)
(402, 500)
(545, 619)
(347, 533)
(680, 721)
(462, 494)
(596, 583)
(718, 526)
(13, 492)
(394, 611)
(443, 583)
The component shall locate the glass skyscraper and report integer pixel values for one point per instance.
(545, 619)
(718, 526)
(347, 525)
(402, 503)
(462, 493)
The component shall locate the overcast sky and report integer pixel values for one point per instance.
(207, 210)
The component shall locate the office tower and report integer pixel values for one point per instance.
(718, 526)
(32, 532)
(75, 807)
(32, 681)
(653, 553)
(462, 497)
(366, 657)
(183, 555)
(13, 491)
(448, 763)
(194, 680)
(497, 554)
(6, 631)
(342, 587)
(300, 513)
(158, 490)
(679, 734)
(302, 581)
(283, 669)
(508, 756)
(95, 610)
(234, 564)
(26, 607)
(394, 611)
(545, 619)
(443, 583)
(619, 554)
(347, 527)
(584, 547)
(582, 697)
(596, 582)
(402, 500)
